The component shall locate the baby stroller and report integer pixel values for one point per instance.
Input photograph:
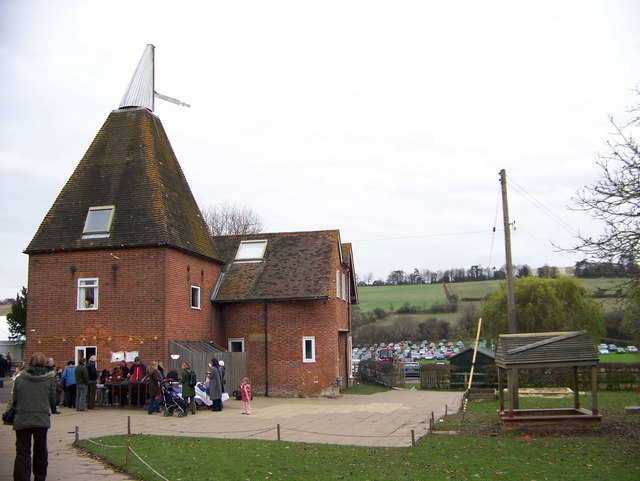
(171, 400)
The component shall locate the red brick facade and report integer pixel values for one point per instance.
(144, 299)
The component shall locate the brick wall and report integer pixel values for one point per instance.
(143, 300)
(287, 323)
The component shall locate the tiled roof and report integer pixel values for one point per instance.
(546, 348)
(296, 265)
(130, 165)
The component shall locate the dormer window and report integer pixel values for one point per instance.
(98, 222)
(251, 250)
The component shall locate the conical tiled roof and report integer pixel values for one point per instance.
(130, 165)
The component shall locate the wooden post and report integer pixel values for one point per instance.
(129, 425)
(594, 390)
(278, 432)
(77, 434)
(576, 389)
(413, 438)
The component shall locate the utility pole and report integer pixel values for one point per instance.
(511, 300)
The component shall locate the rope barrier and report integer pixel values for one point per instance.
(143, 462)
(130, 451)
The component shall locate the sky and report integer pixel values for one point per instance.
(389, 121)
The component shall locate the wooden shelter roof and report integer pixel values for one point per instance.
(545, 349)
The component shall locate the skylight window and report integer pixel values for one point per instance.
(98, 222)
(251, 250)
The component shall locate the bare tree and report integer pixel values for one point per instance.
(614, 199)
(229, 219)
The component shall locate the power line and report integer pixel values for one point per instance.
(541, 207)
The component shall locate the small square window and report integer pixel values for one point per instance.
(98, 222)
(195, 297)
(87, 294)
(309, 349)
(236, 344)
(251, 250)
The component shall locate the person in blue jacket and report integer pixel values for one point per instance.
(68, 381)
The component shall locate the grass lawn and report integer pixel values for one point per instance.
(470, 455)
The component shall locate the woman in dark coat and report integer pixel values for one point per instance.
(155, 376)
(188, 391)
(215, 386)
(33, 392)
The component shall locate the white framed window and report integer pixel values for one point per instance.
(87, 294)
(236, 344)
(309, 349)
(344, 289)
(251, 250)
(98, 222)
(337, 283)
(195, 297)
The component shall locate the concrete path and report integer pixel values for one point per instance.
(382, 420)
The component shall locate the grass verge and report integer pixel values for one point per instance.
(472, 455)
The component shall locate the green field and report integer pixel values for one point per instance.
(423, 296)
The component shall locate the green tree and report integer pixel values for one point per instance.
(17, 318)
(561, 304)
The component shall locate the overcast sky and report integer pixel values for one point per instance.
(387, 120)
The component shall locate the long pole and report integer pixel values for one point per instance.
(511, 300)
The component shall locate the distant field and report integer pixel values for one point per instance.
(5, 309)
(390, 298)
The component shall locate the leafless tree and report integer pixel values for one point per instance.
(229, 219)
(614, 198)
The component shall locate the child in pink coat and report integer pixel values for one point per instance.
(245, 388)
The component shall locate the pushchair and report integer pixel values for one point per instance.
(171, 400)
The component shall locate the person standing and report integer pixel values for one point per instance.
(245, 389)
(93, 380)
(215, 386)
(68, 381)
(82, 385)
(188, 386)
(155, 376)
(222, 370)
(51, 366)
(33, 392)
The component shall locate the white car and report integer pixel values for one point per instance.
(632, 349)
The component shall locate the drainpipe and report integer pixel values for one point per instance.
(266, 348)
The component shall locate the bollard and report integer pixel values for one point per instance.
(413, 438)
(446, 410)
(129, 425)
(77, 434)
(278, 432)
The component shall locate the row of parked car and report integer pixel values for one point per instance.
(613, 349)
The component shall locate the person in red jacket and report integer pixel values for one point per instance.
(245, 388)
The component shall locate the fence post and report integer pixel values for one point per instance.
(278, 432)
(129, 425)
(77, 434)
(413, 438)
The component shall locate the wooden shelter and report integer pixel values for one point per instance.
(547, 350)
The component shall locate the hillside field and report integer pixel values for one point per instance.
(423, 296)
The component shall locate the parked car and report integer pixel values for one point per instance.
(632, 349)
(411, 369)
(621, 350)
(603, 351)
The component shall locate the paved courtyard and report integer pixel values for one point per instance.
(384, 420)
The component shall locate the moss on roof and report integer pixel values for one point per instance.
(131, 165)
